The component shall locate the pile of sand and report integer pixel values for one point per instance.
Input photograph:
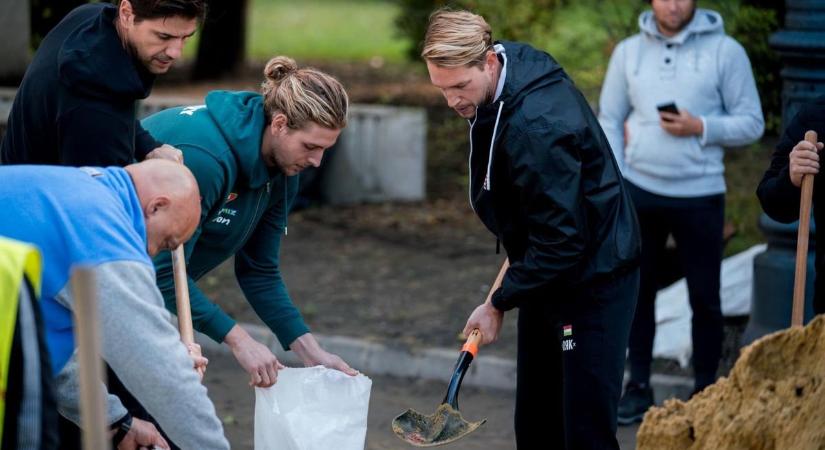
(773, 399)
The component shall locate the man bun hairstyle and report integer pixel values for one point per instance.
(158, 9)
(456, 38)
(303, 95)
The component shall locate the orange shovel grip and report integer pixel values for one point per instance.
(472, 342)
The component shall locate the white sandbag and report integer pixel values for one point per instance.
(312, 408)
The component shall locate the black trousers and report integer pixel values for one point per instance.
(696, 224)
(571, 352)
(71, 435)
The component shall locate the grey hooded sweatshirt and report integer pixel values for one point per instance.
(703, 71)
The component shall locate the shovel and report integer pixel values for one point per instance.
(445, 425)
(798, 311)
(184, 311)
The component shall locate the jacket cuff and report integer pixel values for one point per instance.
(785, 185)
(499, 302)
(144, 143)
(703, 139)
(288, 332)
(217, 327)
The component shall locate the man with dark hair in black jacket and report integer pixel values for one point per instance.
(544, 181)
(77, 102)
(779, 190)
(77, 106)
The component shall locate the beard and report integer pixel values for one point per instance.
(146, 63)
(679, 26)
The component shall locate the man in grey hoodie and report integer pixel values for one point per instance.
(673, 163)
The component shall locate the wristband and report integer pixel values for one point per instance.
(122, 426)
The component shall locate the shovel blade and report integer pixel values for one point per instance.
(445, 425)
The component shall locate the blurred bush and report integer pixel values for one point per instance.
(751, 26)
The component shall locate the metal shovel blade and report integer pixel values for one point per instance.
(445, 425)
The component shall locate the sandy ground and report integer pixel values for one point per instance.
(235, 403)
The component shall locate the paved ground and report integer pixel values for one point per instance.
(235, 403)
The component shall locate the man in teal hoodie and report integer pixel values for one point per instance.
(245, 150)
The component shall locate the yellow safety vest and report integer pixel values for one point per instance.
(16, 259)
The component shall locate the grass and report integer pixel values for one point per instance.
(743, 171)
(353, 30)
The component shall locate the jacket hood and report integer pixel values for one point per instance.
(93, 61)
(240, 118)
(534, 69)
(704, 21)
(525, 70)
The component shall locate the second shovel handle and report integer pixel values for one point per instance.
(798, 312)
(184, 311)
(471, 345)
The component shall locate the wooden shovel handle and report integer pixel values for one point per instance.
(87, 338)
(187, 335)
(798, 312)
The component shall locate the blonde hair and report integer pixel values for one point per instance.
(456, 39)
(303, 95)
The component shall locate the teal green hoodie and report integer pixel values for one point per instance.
(244, 208)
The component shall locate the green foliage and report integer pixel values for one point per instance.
(743, 171)
(752, 26)
(45, 14)
(411, 22)
(324, 29)
(519, 20)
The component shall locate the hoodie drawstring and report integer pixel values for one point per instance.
(487, 186)
(470, 162)
(286, 205)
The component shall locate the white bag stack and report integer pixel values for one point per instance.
(312, 408)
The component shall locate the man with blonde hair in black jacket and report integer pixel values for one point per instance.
(544, 182)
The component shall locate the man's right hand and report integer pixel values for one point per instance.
(804, 159)
(255, 358)
(488, 321)
(143, 434)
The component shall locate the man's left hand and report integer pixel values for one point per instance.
(166, 151)
(198, 359)
(488, 320)
(311, 353)
(682, 124)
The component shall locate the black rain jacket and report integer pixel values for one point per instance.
(543, 180)
(76, 104)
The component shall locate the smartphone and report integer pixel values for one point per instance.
(668, 107)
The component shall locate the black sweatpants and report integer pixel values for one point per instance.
(571, 352)
(696, 224)
(71, 435)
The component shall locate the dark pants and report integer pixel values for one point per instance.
(696, 225)
(70, 434)
(569, 383)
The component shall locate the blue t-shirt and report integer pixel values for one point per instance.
(76, 217)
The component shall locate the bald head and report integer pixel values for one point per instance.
(170, 199)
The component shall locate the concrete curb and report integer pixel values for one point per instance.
(374, 358)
